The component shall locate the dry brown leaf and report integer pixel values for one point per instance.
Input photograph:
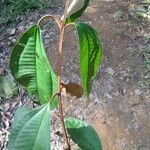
(73, 89)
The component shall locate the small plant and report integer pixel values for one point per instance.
(30, 67)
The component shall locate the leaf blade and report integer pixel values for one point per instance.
(83, 134)
(73, 89)
(32, 132)
(30, 66)
(90, 54)
(75, 10)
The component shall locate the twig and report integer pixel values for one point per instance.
(145, 57)
(52, 98)
(58, 21)
(56, 94)
(69, 24)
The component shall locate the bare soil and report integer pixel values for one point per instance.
(120, 102)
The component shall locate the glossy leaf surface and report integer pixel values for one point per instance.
(90, 54)
(75, 10)
(83, 134)
(31, 130)
(30, 66)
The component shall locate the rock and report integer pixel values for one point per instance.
(124, 73)
(137, 92)
(2, 71)
(13, 40)
(110, 71)
(31, 23)
(108, 95)
(124, 91)
(91, 10)
(47, 35)
(131, 93)
(47, 41)
(20, 28)
(110, 0)
(13, 31)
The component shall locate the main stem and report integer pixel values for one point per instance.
(59, 73)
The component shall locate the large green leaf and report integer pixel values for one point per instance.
(30, 66)
(31, 130)
(19, 114)
(90, 54)
(83, 134)
(75, 10)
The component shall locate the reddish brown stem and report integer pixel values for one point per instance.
(59, 73)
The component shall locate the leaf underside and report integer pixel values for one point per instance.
(83, 134)
(30, 66)
(31, 129)
(90, 54)
(76, 11)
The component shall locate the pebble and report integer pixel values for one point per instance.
(124, 90)
(131, 93)
(109, 0)
(108, 95)
(2, 70)
(13, 31)
(20, 28)
(138, 92)
(13, 40)
(47, 35)
(124, 73)
(47, 41)
(110, 71)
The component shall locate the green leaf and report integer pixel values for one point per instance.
(32, 130)
(83, 134)
(90, 54)
(30, 66)
(75, 10)
(19, 114)
(8, 88)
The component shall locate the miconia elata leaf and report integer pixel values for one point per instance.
(19, 114)
(32, 130)
(75, 10)
(90, 54)
(30, 66)
(83, 134)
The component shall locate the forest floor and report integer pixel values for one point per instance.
(120, 99)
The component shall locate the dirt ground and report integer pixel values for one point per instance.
(120, 99)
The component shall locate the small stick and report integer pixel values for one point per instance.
(58, 21)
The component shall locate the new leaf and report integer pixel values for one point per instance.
(30, 66)
(90, 54)
(31, 129)
(75, 10)
(83, 134)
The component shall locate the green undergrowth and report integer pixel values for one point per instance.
(11, 9)
(139, 12)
